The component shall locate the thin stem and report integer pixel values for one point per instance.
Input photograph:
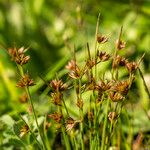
(96, 33)
(45, 135)
(65, 136)
(66, 140)
(65, 107)
(104, 127)
(34, 114)
(81, 116)
(33, 109)
(146, 88)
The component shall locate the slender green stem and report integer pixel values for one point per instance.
(66, 140)
(35, 117)
(82, 117)
(33, 109)
(104, 127)
(45, 135)
(65, 136)
(81, 130)
(65, 107)
(96, 33)
(146, 88)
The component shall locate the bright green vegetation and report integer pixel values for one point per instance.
(74, 75)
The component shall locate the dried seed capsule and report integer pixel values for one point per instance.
(112, 116)
(103, 56)
(101, 39)
(25, 81)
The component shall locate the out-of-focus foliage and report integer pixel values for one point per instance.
(44, 25)
(51, 29)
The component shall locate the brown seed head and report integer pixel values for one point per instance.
(101, 39)
(70, 124)
(56, 116)
(79, 103)
(103, 56)
(121, 87)
(100, 95)
(24, 130)
(58, 85)
(115, 96)
(119, 61)
(57, 98)
(74, 71)
(112, 116)
(131, 66)
(18, 55)
(90, 63)
(25, 81)
(103, 86)
(120, 44)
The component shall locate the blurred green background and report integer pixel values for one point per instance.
(51, 28)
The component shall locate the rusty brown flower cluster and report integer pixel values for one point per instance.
(57, 87)
(74, 70)
(24, 130)
(56, 117)
(18, 55)
(101, 39)
(25, 81)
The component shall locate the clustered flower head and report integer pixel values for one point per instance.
(24, 130)
(18, 55)
(57, 87)
(120, 44)
(74, 70)
(103, 56)
(70, 123)
(56, 117)
(101, 39)
(25, 81)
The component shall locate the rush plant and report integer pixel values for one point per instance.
(92, 118)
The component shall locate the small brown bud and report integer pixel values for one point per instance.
(103, 56)
(121, 87)
(58, 85)
(56, 116)
(70, 124)
(79, 103)
(112, 116)
(115, 96)
(100, 95)
(74, 71)
(131, 66)
(24, 130)
(120, 44)
(18, 55)
(90, 63)
(57, 98)
(101, 39)
(119, 61)
(25, 81)
(103, 86)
